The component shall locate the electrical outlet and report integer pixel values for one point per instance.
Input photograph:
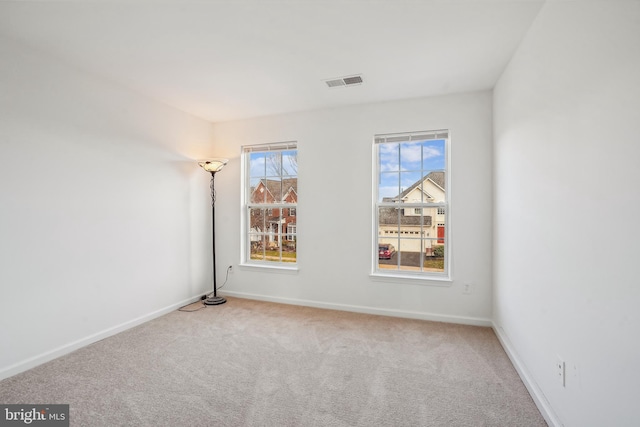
(230, 269)
(560, 370)
(466, 288)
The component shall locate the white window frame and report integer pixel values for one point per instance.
(423, 276)
(247, 205)
(292, 232)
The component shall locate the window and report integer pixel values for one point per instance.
(411, 204)
(291, 232)
(270, 200)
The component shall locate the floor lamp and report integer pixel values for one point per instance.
(212, 166)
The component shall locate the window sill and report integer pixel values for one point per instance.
(270, 268)
(414, 279)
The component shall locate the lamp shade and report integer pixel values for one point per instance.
(212, 165)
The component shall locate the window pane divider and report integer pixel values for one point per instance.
(411, 205)
(271, 206)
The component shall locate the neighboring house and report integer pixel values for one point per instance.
(269, 226)
(402, 227)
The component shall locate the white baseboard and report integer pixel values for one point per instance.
(534, 390)
(475, 321)
(32, 362)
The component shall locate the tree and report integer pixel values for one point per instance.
(282, 163)
(438, 251)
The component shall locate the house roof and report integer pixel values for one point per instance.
(435, 177)
(438, 178)
(389, 216)
(279, 188)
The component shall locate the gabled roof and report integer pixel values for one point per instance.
(289, 191)
(279, 189)
(389, 216)
(436, 177)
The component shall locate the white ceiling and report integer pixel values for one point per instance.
(225, 60)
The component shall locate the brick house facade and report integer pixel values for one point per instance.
(273, 227)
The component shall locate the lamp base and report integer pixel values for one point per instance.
(214, 301)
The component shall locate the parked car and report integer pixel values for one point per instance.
(385, 251)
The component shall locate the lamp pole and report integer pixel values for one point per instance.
(212, 166)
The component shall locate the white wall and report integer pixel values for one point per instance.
(335, 205)
(101, 218)
(567, 126)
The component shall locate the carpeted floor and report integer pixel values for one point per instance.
(252, 363)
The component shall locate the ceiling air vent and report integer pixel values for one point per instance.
(344, 81)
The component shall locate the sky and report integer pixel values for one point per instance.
(403, 164)
(400, 164)
(273, 165)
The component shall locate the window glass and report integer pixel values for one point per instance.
(411, 203)
(271, 197)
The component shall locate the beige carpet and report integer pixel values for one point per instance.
(251, 363)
